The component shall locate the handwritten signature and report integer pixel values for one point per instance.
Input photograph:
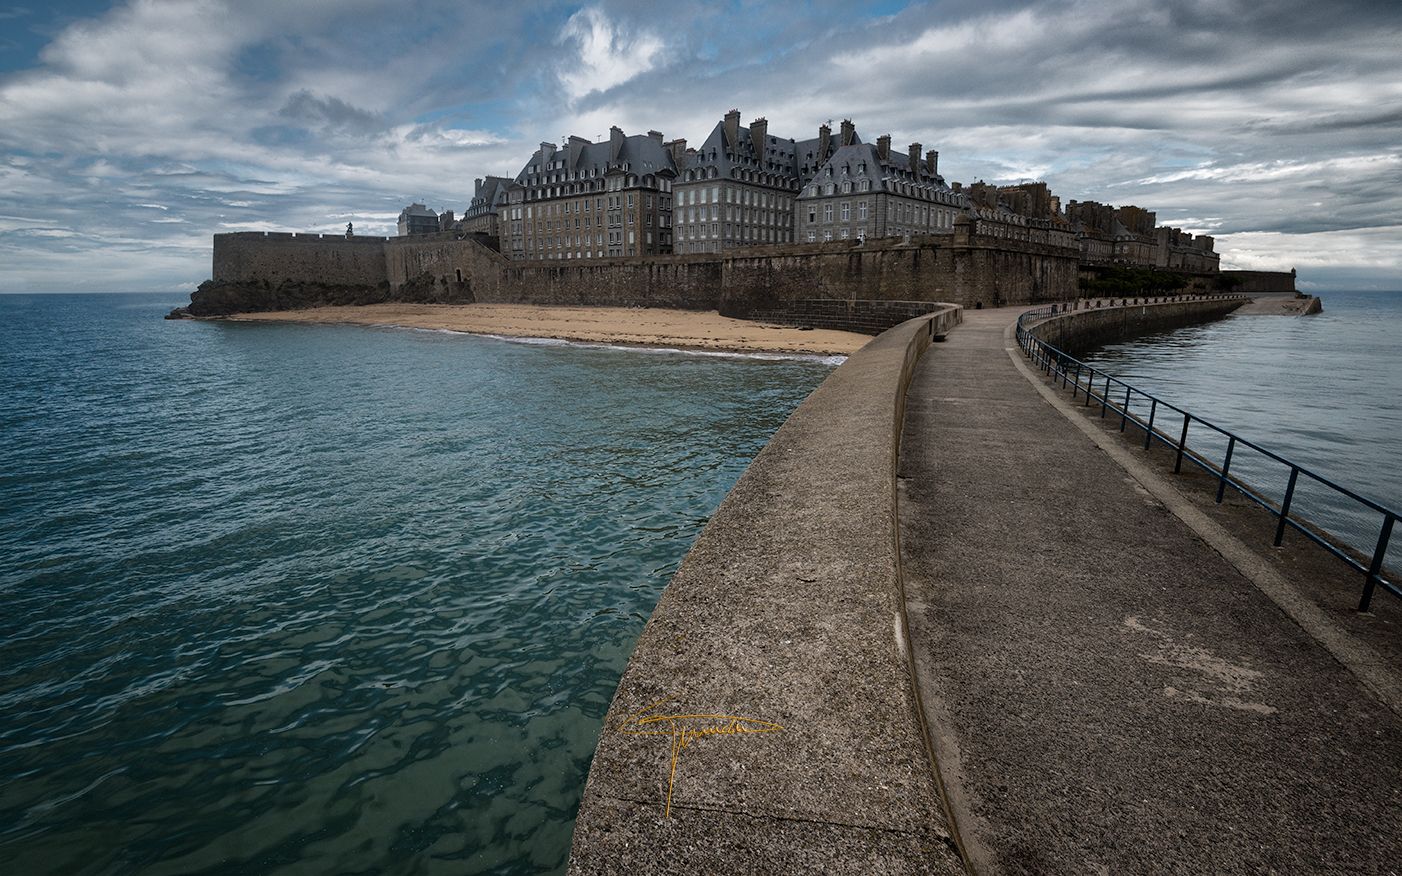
(686, 729)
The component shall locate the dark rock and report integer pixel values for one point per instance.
(179, 313)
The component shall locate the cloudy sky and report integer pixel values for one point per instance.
(131, 131)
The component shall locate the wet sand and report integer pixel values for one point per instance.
(652, 327)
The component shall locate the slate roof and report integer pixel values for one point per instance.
(638, 153)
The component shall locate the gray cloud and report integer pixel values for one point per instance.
(1276, 126)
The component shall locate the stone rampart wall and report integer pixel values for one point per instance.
(274, 258)
(684, 282)
(766, 282)
(759, 282)
(863, 316)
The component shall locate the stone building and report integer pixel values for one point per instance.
(1095, 227)
(590, 200)
(863, 190)
(488, 202)
(417, 219)
(739, 188)
(1182, 251)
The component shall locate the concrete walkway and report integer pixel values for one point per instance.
(1105, 692)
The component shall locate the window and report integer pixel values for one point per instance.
(811, 236)
(812, 213)
(862, 210)
(827, 236)
(843, 234)
(827, 212)
(846, 211)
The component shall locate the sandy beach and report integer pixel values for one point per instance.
(705, 330)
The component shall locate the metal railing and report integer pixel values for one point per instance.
(1096, 386)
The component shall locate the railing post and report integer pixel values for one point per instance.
(1105, 397)
(1285, 505)
(1182, 442)
(1124, 414)
(1375, 567)
(1149, 430)
(1090, 383)
(1077, 385)
(1226, 464)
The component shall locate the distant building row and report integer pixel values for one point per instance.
(644, 195)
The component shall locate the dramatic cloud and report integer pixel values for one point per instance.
(130, 132)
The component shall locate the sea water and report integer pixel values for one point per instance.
(1323, 391)
(318, 599)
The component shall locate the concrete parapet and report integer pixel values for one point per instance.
(767, 720)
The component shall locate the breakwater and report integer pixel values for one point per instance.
(769, 714)
(767, 719)
(1089, 323)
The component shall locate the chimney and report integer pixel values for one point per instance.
(913, 154)
(477, 187)
(849, 132)
(547, 154)
(656, 135)
(932, 162)
(824, 142)
(615, 142)
(883, 147)
(759, 130)
(732, 128)
(678, 149)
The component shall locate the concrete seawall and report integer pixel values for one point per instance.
(767, 721)
(1089, 326)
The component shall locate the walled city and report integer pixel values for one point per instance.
(829, 230)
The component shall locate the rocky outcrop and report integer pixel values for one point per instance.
(215, 298)
(222, 298)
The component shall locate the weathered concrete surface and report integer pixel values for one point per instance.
(1099, 321)
(1105, 692)
(1282, 305)
(787, 610)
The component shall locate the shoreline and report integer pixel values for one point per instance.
(647, 328)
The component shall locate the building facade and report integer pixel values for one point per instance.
(864, 190)
(592, 200)
(739, 188)
(483, 214)
(417, 219)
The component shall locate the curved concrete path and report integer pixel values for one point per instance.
(1106, 693)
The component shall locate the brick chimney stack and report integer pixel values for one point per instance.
(678, 149)
(849, 132)
(759, 131)
(824, 142)
(732, 128)
(913, 153)
(656, 135)
(932, 162)
(883, 147)
(615, 142)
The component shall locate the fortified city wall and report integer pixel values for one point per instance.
(276, 257)
(864, 286)
(257, 271)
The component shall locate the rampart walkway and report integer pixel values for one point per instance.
(1106, 693)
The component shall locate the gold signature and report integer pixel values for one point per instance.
(686, 729)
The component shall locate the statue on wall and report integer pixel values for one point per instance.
(350, 229)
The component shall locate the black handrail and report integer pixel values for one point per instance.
(1070, 370)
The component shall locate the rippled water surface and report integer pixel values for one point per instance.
(314, 599)
(1323, 391)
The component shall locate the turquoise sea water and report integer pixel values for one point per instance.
(1324, 391)
(314, 599)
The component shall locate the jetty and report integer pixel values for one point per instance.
(954, 620)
